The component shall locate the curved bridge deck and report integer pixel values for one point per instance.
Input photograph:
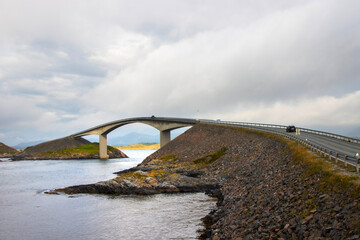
(164, 125)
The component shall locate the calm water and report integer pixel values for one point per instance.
(27, 213)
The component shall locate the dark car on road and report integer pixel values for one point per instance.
(291, 128)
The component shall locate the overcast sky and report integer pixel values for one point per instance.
(67, 65)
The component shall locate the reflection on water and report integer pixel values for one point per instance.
(27, 213)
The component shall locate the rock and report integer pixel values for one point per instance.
(308, 218)
(151, 181)
(354, 237)
(337, 209)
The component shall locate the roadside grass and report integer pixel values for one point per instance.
(331, 180)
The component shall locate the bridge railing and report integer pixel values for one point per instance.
(315, 147)
(327, 134)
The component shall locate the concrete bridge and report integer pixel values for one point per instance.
(164, 125)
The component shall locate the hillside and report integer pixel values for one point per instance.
(133, 138)
(66, 148)
(24, 145)
(267, 188)
(6, 151)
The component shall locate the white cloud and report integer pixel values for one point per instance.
(124, 50)
(66, 66)
(324, 110)
(282, 57)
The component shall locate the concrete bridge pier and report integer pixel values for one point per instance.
(103, 146)
(164, 137)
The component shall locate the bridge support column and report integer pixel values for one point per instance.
(103, 146)
(164, 137)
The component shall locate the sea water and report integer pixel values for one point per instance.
(27, 213)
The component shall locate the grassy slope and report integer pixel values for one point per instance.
(6, 149)
(92, 148)
(334, 179)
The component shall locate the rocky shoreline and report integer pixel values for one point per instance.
(262, 192)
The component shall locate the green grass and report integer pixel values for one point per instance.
(210, 158)
(92, 148)
(86, 149)
(168, 157)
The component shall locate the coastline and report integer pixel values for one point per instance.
(262, 192)
(139, 146)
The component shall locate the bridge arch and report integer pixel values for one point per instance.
(164, 125)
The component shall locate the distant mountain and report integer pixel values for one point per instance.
(133, 138)
(24, 145)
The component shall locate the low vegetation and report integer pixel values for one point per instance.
(168, 157)
(139, 146)
(4, 149)
(332, 178)
(210, 158)
(86, 149)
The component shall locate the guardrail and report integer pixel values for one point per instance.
(337, 136)
(315, 147)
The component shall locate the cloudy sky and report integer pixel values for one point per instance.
(67, 65)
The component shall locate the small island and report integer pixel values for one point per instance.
(66, 148)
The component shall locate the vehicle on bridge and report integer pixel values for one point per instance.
(291, 128)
